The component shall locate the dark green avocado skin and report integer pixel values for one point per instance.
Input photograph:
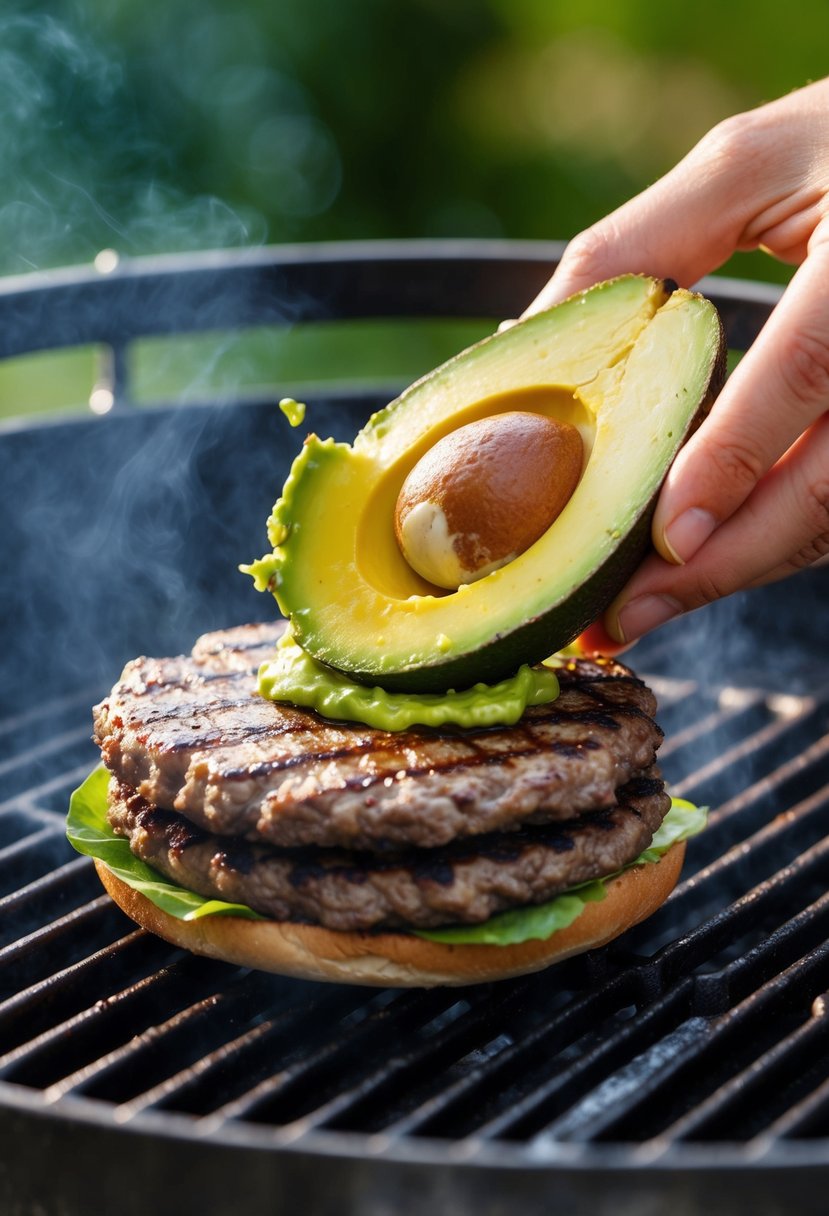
(535, 640)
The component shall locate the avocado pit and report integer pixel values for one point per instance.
(486, 492)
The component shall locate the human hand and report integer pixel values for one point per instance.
(747, 499)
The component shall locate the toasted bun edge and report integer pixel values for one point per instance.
(401, 959)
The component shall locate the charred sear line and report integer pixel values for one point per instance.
(228, 738)
(642, 787)
(397, 771)
(190, 681)
(567, 750)
(280, 764)
(310, 861)
(179, 832)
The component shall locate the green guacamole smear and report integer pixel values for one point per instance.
(294, 676)
(294, 411)
(88, 832)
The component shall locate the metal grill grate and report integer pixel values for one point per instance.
(705, 1025)
(683, 1067)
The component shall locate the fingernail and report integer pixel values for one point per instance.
(688, 533)
(644, 613)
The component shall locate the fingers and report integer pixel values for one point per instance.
(782, 526)
(788, 568)
(637, 239)
(682, 227)
(757, 179)
(778, 390)
(747, 500)
(596, 640)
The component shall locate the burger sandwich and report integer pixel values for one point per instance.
(319, 800)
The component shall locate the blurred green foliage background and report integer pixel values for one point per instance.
(203, 124)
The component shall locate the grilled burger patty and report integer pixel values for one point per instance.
(190, 734)
(467, 881)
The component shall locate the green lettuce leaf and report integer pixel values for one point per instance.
(522, 924)
(526, 924)
(88, 832)
(682, 821)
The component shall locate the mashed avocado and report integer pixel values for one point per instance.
(294, 676)
(294, 411)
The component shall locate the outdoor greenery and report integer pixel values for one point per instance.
(203, 124)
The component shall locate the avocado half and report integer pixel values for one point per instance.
(633, 364)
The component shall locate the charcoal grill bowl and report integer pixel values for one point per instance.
(202, 505)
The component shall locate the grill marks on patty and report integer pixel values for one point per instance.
(465, 882)
(189, 734)
(353, 828)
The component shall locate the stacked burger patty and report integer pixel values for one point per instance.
(342, 825)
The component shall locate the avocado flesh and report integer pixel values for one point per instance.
(631, 365)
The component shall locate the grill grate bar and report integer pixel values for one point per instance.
(79, 700)
(757, 801)
(726, 928)
(31, 953)
(347, 1104)
(568, 1079)
(808, 1118)
(668, 967)
(703, 1026)
(741, 1031)
(732, 1042)
(33, 858)
(43, 750)
(467, 1098)
(176, 1090)
(731, 758)
(199, 1087)
(112, 1042)
(53, 1000)
(746, 1103)
(38, 793)
(302, 1085)
(708, 724)
(11, 854)
(462, 1030)
(476, 1073)
(807, 758)
(40, 902)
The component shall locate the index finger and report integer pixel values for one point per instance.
(775, 394)
(684, 225)
(639, 238)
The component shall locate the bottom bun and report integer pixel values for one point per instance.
(401, 959)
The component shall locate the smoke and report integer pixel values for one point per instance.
(733, 680)
(75, 145)
(105, 110)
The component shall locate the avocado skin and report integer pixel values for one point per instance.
(535, 640)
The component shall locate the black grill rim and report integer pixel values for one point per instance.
(423, 1151)
(328, 280)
